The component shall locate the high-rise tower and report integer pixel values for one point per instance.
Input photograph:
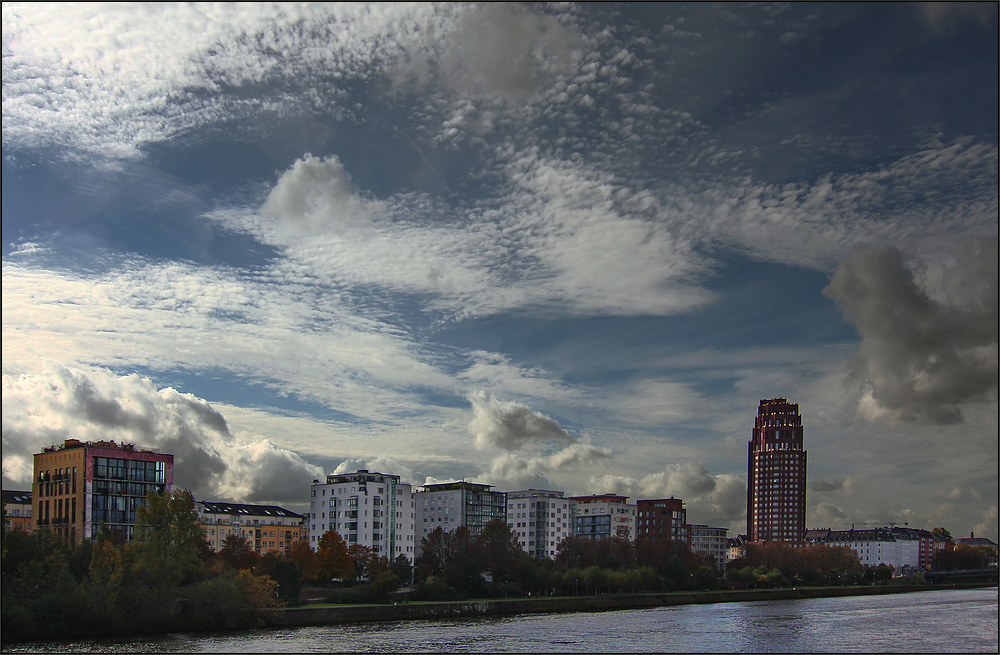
(776, 474)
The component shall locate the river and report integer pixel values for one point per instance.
(933, 621)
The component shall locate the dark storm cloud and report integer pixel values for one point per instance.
(919, 356)
(948, 16)
(824, 486)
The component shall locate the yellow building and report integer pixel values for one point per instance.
(17, 504)
(267, 528)
(79, 486)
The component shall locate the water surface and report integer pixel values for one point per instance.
(931, 621)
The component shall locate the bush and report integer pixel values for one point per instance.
(365, 593)
(436, 589)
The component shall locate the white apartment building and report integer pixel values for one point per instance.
(371, 509)
(450, 505)
(541, 519)
(904, 549)
(711, 541)
(604, 515)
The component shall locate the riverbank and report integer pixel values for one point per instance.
(335, 614)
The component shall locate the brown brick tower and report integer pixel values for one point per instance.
(776, 474)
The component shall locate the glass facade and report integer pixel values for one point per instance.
(119, 488)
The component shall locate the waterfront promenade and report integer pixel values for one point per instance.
(314, 615)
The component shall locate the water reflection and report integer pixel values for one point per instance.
(938, 621)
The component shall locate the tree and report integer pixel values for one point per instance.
(385, 583)
(168, 538)
(236, 553)
(300, 553)
(963, 558)
(403, 569)
(437, 550)
(363, 559)
(108, 568)
(285, 573)
(705, 577)
(594, 576)
(331, 560)
(575, 553)
(500, 549)
(943, 532)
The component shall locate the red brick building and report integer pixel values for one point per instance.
(663, 519)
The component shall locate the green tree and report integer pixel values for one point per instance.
(403, 569)
(437, 550)
(285, 573)
(575, 553)
(943, 532)
(108, 570)
(705, 577)
(168, 539)
(385, 583)
(594, 576)
(500, 549)
(363, 559)
(572, 579)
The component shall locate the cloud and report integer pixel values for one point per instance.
(497, 48)
(63, 403)
(826, 515)
(591, 243)
(946, 17)
(283, 327)
(523, 435)
(578, 453)
(514, 471)
(316, 196)
(941, 192)
(922, 358)
(713, 499)
(385, 465)
(110, 78)
(510, 425)
(822, 486)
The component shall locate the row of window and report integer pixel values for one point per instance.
(60, 483)
(130, 469)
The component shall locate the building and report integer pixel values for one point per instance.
(711, 541)
(776, 475)
(17, 504)
(80, 486)
(602, 516)
(737, 547)
(450, 505)
(916, 548)
(266, 528)
(541, 520)
(374, 510)
(971, 540)
(663, 519)
(905, 549)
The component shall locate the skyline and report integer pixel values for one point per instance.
(550, 246)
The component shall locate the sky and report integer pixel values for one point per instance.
(550, 246)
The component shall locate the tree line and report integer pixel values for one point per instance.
(167, 578)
